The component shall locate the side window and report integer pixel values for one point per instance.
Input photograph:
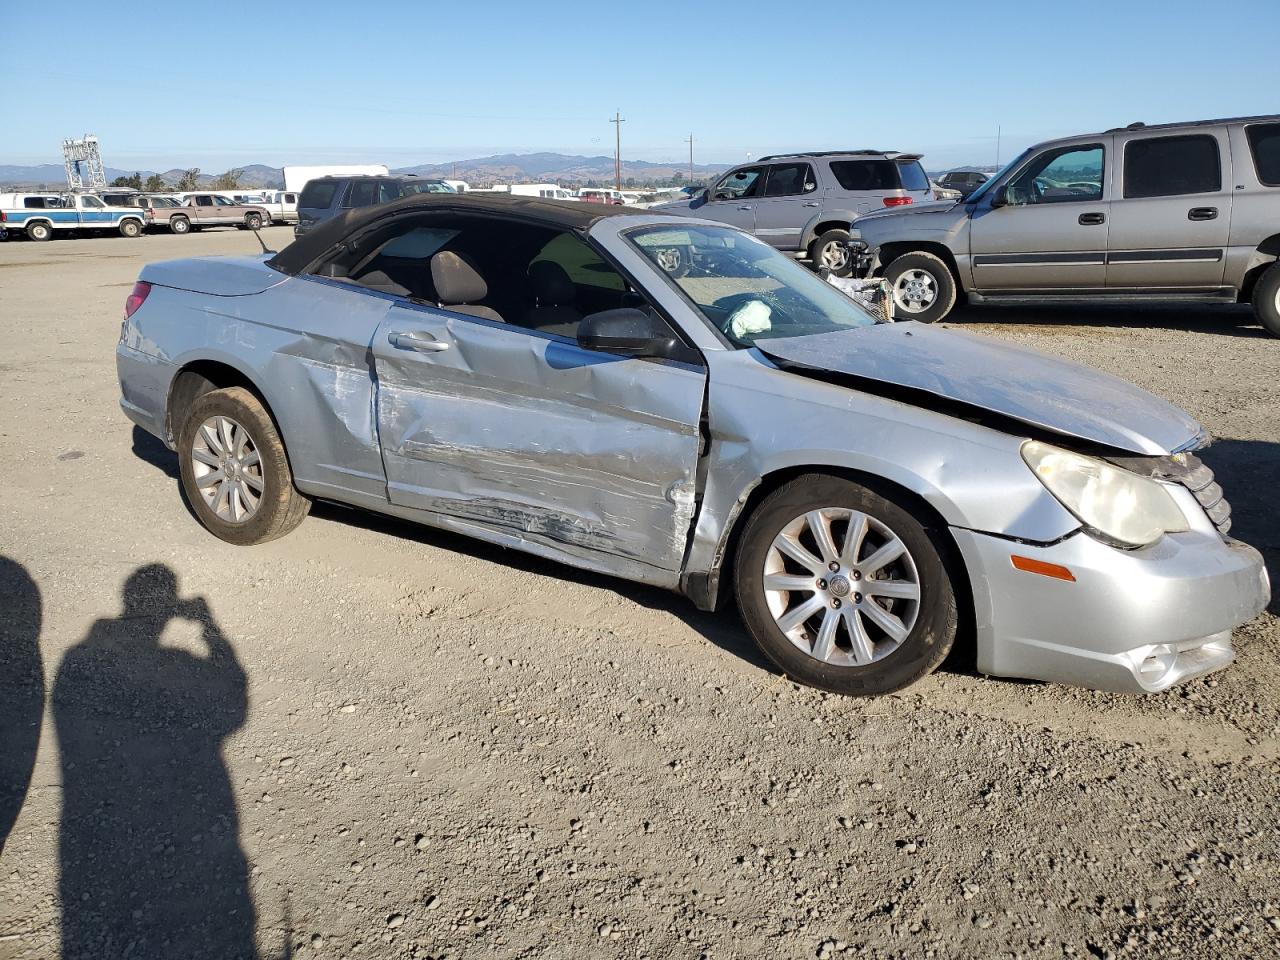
(855, 175)
(387, 192)
(738, 184)
(91, 203)
(1172, 166)
(34, 203)
(318, 195)
(361, 193)
(580, 263)
(290, 198)
(1065, 175)
(222, 202)
(1264, 143)
(789, 179)
(204, 201)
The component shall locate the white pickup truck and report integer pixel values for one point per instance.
(41, 215)
(281, 205)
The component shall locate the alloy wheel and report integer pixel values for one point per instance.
(835, 256)
(915, 290)
(841, 586)
(227, 469)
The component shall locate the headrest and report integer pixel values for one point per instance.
(551, 284)
(456, 280)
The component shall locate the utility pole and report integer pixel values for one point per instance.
(690, 142)
(997, 146)
(617, 122)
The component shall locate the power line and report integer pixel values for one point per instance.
(689, 141)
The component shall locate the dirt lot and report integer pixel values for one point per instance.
(370, 739)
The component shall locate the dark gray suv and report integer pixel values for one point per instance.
(803, 202)
(327, 197)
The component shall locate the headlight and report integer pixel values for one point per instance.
(1122, 506)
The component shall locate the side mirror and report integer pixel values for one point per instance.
(627, 331)
(1000, 197)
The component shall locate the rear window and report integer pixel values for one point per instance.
(1264, 142)
(877, 174)
(1172, 166)
(318, 194)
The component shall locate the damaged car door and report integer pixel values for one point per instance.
(544, 443)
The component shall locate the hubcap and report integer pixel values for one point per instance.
(842, 586)
(227, 469)
(915, 291)
(835, 255)
(669, 260)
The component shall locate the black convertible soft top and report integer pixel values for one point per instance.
(563, 214)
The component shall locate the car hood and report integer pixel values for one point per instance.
(911, 210)
(675, 206)
(979, 373)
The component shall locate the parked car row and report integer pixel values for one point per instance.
(41, 216)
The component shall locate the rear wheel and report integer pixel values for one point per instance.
(235, 473)
(922, 287)
(1266, 300)
(673, 260)
(253, 221)
(130, 228)
(39, 231)
(844, 589)
(179, 224)
(831, 250)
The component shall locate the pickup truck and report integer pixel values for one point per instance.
(198, 210)
(40, 215)
(281, 206)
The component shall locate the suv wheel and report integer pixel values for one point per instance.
(1266, 300)
(831, 250)
(922, 287)
(843, 589)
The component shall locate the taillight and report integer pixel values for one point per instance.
(896, 201)
(136, 297)
(3, 218)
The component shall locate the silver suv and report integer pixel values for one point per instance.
(1186, 211)
(803, 202)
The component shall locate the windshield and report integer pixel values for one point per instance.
(164, 202)
(746, 289)
(981, 191)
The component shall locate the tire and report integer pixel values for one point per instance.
(922, 287)
(1266, 299)
(130, 228)
(253, 221)
(179, 225)
(881, 663)
(279, 506)
(674, 261)
(831, 250)
(40, 231)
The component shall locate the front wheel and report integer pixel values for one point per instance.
(253, 221)
(831, 250)
(922, 287)
(844, 589)
(130, 228)
(673, 260)
(235, 473)
(1266, 300)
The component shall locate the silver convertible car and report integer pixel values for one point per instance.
(870, 494)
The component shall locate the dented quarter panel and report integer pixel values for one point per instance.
(764, 419)
(533, 435)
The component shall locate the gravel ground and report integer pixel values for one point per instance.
(370, 739)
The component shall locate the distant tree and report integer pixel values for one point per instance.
(154, 184)
(189, 179)
(135, 181)
(120, 182)
(228, 181)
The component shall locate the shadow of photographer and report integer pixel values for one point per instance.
(149, 846)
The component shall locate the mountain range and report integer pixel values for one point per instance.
(501, 168)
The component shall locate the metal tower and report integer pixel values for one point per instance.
(82, 158)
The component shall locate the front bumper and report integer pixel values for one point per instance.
(1132, 621)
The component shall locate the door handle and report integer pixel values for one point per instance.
(1091, 219)
(1202, 213)
(811, 204)
(422, 343)
(745, 206)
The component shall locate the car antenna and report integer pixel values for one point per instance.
(261, 242)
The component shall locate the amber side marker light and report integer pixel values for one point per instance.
(1044, 569)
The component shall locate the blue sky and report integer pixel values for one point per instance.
(165, 85)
